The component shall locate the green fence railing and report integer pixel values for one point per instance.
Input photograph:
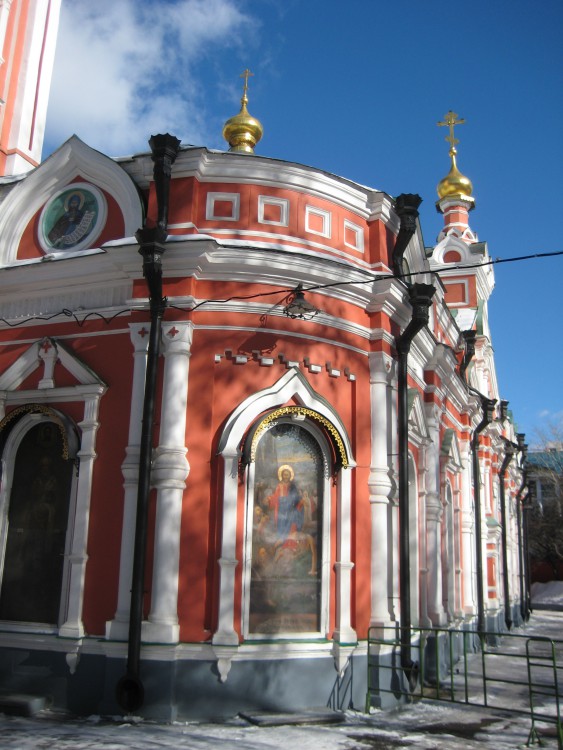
(509, 671)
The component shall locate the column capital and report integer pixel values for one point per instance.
(381, 367)
(139, 333)
(177, 337)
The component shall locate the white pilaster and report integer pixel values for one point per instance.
(380, 486)
(73, 627)
(344, 632)
(434, 520)
(169, 472)
(467, 531)
(118, 628)
(225, 635)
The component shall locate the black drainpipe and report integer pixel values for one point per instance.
(406, 206)
(488, 406)
(130, 691)
(420, 296)
(509, 451)
(527, 506)
(523, 448)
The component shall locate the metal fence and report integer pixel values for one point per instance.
(511, 672)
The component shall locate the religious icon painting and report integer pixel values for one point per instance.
(72, 219)
(285, 577)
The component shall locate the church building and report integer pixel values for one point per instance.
(245, 416)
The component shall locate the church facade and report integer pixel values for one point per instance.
(327, 451)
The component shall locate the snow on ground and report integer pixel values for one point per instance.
(547, 594)
(423, 726)
(420, 726)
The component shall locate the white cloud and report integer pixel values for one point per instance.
(125, 69)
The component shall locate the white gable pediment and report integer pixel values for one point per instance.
(73, 161)
(449, 450)
(42, 356)
(418, 429)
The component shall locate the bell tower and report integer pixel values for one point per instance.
(28, 34)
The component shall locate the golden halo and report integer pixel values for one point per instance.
(79, 194)
(284, 468)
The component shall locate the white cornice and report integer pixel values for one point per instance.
(225, 167)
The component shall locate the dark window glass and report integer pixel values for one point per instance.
(37, 523)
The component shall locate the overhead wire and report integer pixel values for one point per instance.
(286, 291)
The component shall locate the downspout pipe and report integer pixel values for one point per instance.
(130, 690)
(527, 505)
(523, 448)
(509, 451)
(488, 406)
(406, 207)
(420, 296)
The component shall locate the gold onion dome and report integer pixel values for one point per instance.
(454, 183)
(242, 132)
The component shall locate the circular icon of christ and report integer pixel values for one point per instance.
(71, 220)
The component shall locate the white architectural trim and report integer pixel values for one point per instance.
(269, 200)
(292, 385)
(89, 390)
(73, 158)
(169, 473)
(380, 485)
(118, 628)
(213, 198)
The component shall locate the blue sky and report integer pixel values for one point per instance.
(356, 88)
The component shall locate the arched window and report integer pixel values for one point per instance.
(288, 506)
(35, 509)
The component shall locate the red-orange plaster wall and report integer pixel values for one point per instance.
(225, 386)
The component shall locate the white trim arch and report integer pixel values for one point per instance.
(292, 386)
(450, 480)
(74, 158)
(42, 357)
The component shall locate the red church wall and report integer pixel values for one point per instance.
(226, 385)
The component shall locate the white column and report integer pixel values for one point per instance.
(344, 632)
(73, 627)
(169, 472)
(458, 525)
(467, 531)
(225, 635)
(380, 486)
(425, 621)
(434, 520)
(118, 628)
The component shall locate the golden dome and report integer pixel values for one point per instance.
(242, 132)
(454, 183)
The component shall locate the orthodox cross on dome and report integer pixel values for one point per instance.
(450, 121)
(242, 132)
(246, 75)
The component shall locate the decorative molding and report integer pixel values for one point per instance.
(57, 172)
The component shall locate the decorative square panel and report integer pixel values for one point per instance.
(273, 210)
(317, 221)
(353, 236)
(223, 206)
